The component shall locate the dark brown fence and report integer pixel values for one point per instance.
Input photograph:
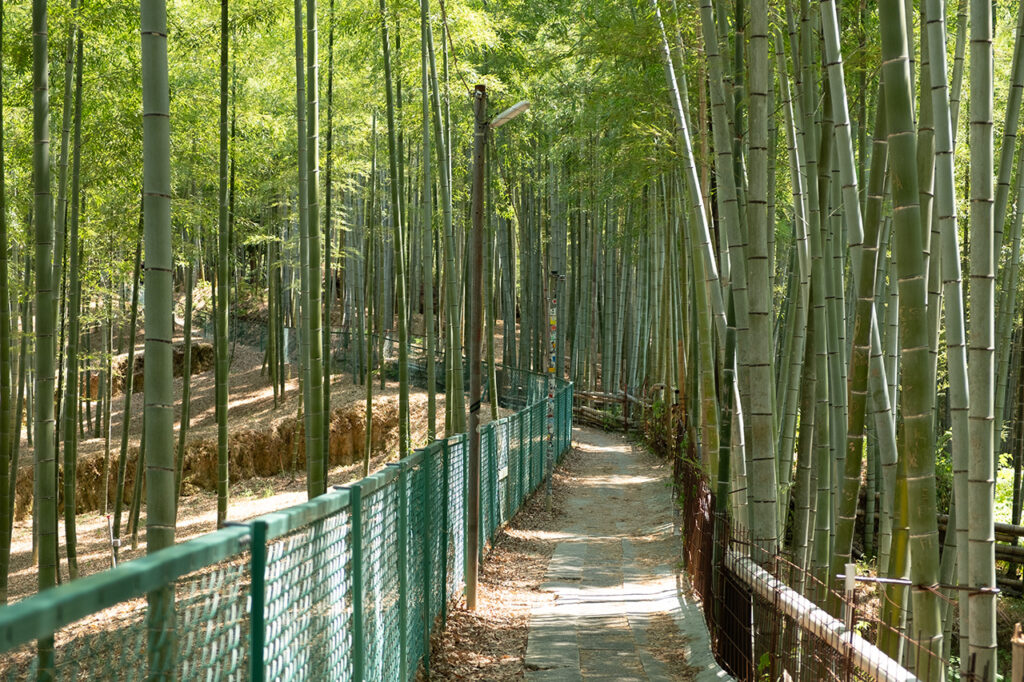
(758, 619)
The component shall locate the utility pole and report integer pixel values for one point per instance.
(476, 242)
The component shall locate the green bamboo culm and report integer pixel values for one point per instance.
(864, 318)
(312, 395)
(956, 346)
(186, 380)
(7, 472)
(61, 204)
(724, 473)
(455, 401)
(399, 246)
(329, 278)
(427, 226)
(159, 379)
(129, 380)
(71, 401)
(45, 458)
(761, 412)
(222, 372)
(981, 357)
(370, 222)
(318, 431)
(918, 386)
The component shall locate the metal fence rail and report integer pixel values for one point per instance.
(348, 585)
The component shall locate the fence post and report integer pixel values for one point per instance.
(356, 541)
(426, 469)
(492, 454)
(570, 395)
(529, 450)
(561, 423)
(403, 570)
(849, 584)
(536, 436)
(503, 445)
(257, 594)
(522, 461)
(445, 527)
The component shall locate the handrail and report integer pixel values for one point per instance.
(40, 615)
(812, 618)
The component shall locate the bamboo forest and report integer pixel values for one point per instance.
(487, 340)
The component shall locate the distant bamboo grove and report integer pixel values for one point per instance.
(798, 177)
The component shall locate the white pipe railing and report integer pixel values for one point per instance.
(818, 622)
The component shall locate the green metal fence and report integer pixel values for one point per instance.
(345, 586)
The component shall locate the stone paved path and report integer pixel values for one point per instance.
(618, 613)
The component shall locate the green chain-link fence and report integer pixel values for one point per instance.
(346, 586)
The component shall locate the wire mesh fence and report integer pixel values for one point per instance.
(779, 618)
(346, 586)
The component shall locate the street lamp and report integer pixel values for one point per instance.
(476, 248)
(509, 114)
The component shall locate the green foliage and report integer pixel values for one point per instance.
(944, 471)
(1004, 489)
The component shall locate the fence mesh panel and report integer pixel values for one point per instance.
(486, 485)
(212, 608)
(308, 602)
(436, 530)
(416, 546)
(412, 537)
(209, 640)
(514, 461)
(457, 456)
(380, 584)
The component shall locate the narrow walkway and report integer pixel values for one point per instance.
(617, 614)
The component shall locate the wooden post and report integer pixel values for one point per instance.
(475, 317)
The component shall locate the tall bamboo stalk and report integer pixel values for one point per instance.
(857, 388)
(761, 413)
(427, 219)
(981, 357)
(223, 285)
(159, 381)
(399, 245)
(956, 348)
(455, 406)
(318, 424)
(7, 472)
(310, 338)
(329, 273)
(71, 402)
(45, 492)
(918, 386)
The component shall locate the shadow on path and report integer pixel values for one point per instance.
(617, 612)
